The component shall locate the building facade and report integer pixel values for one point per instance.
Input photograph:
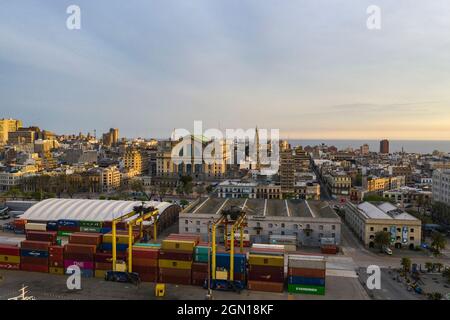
(441, 186)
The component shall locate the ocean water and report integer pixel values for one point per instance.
(415, 146)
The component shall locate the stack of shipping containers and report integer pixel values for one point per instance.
(306, 274)
(200, 264)
(175, 258)
(9, 257)
(56, 259)
(266, 268)
(145, 262)
(80, 251)
(34, 251)
(223, 267)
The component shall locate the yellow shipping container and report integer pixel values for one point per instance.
(120, 238)
(175, 264)
(54, 270)
(100, 273)
(10, 259)
(262, 260)
(179, 245)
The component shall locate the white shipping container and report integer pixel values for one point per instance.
(308, 262)
(268, 246)
(36, 226)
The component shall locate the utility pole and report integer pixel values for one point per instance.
(209, 293)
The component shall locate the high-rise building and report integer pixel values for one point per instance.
(384, 146)
(136, 160)
(111, 138)
(364, 149)
(6, 126)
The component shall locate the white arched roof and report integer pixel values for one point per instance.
(85, 210)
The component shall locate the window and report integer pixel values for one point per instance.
(282, 233)
(333, 235)
(320, 235)
(372, 237)
(320, 227)
(333, 227)
(371, 228)
(411, 230)
(198, 230)
(198, 223)
(270, 233)
(186, 222)
(258, 224)
(411, 238)
(296, 226)
(399, 230)
(186, 229)
(384, 229)
(282, 225)
(270, 225)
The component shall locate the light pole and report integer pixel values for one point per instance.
(209, 293)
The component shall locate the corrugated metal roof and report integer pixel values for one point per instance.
(85, 210)
(372, 211)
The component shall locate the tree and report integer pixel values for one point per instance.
(200, 190)
(429, 266)
(382, 238)
(438, 266)
(137, 185)
(406, 264)
(438, 242)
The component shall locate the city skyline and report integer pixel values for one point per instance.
(311, 69)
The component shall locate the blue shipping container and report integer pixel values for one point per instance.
(119, 246)
(33, 253)
(306, 281)
(52, 226)
(68, 223)
(105, 230)
(240, 262)
(85, 273)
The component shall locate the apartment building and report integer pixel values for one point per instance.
(110, 179)
(136, 160)
(441, 186)
(7, 126)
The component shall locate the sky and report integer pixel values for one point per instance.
(310, 68)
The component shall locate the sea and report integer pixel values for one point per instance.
(410, 146)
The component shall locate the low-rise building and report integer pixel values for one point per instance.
(441, 186)
(366, 219)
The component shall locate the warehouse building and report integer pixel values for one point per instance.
(366, 219)
(95, 210)
(309, 221)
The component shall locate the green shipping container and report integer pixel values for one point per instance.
(90, 229)
(301, 288)
(147, 245)
(201, 258)
(201, 250)
(91, 224)
(64, 233)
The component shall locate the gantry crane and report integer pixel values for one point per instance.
(238, 220)
(144, 214)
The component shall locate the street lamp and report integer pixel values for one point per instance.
(209, 293)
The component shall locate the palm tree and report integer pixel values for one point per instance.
(382, 238)
(438, 242)
(406, 264)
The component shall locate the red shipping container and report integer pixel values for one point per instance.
(55, 256)
(145, 253)
(49, 236)
(199, 267)
(85, 238)
(174, 272)
(148, 277)
(80, 248)
(9, 266)
(185, 280)
(175, 255)
(199, 275)
(69, 228)
(8, 250)
(33, 268)
(34, 261)
(143, 269)
(107, 257)
(56, 263)
(145, 262)
(56, 249)
(35, 245)
(304, 272)
(103, 266)
(78, 256)
(265, 269)
(119, 226)
(266, 286)
(239, 276)
(268, 277)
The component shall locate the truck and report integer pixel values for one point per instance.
(387, 250)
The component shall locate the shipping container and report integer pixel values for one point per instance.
(34, 261)
(35, 245)
(9, 266)
(298, 288)
(56, 263)
(175, 255)
(47, 236)
(100, 273)
(185, 280)
(36, 226)
(304, 272)
(9, 259)
(306, 280)
(34, 267)
(265, 286)
(173, 272)
(304, 261)
(89, 265)
(79, 256)
(85, 238)
(179, 245)
(174, 264)
(145, 253)
(264, 260)
(145, 262)
(80, 248)
(56, 270)
(33, 253)
(9, 250)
